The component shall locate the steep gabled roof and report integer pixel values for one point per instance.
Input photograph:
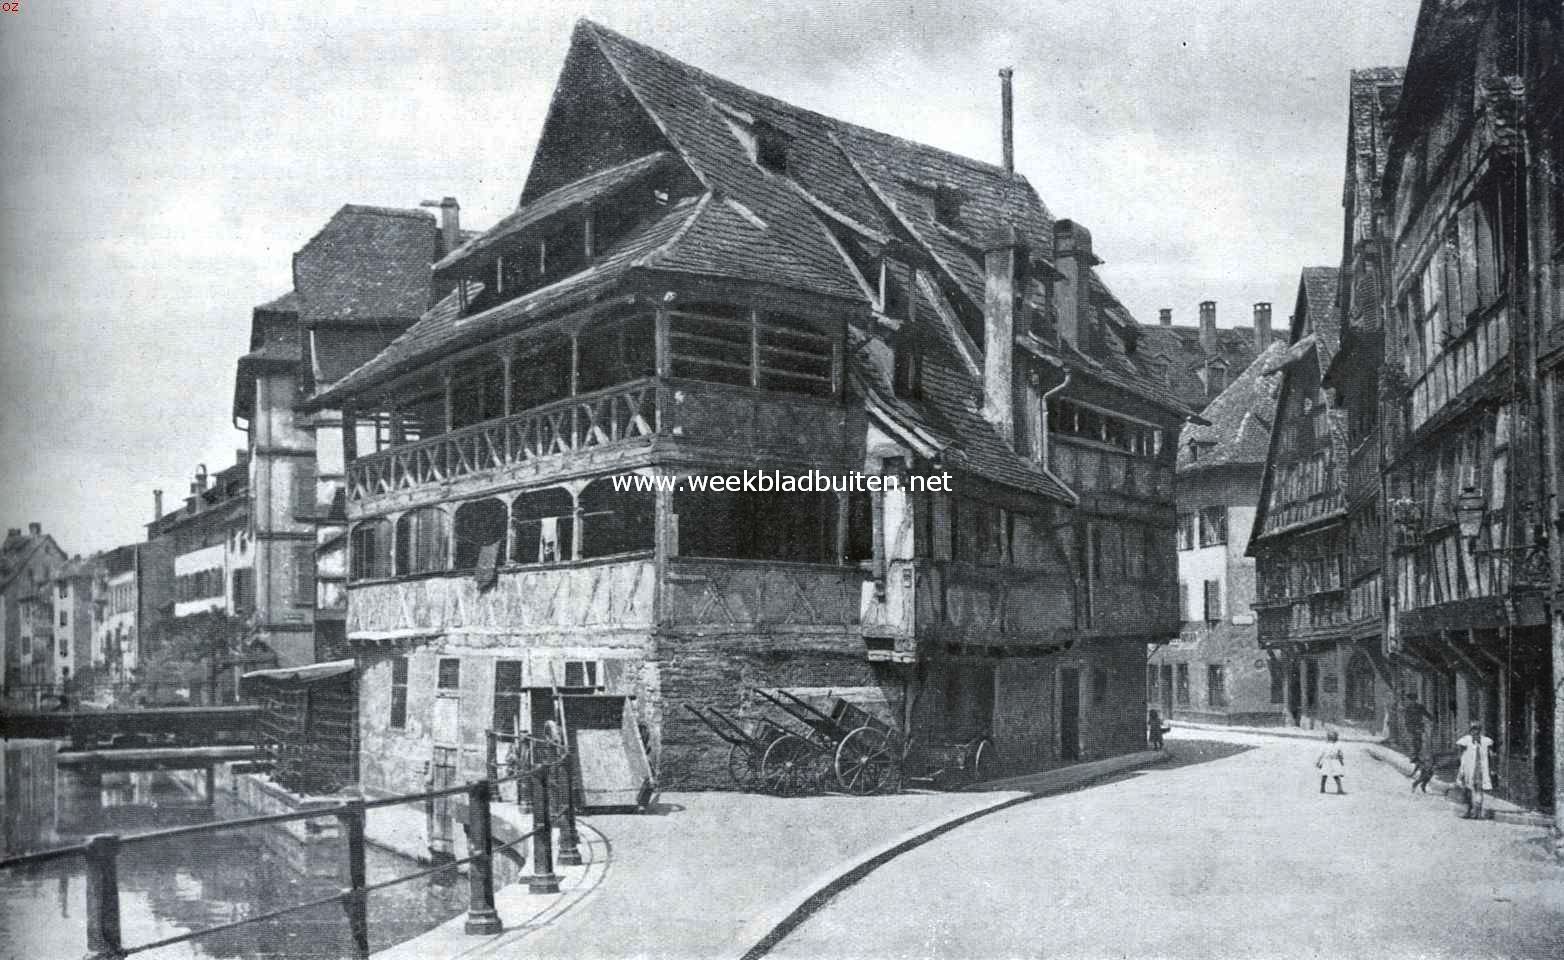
(367, 264)
(16, 551)
(1180, 346)
(1314, 335)
(629, 103)
(443, 328)
(1239, 420)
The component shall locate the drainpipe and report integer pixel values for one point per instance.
(1046, 396)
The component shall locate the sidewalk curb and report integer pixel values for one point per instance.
(1403, 765)
(766, 931)
(1347, 734)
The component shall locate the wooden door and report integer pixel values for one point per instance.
(1069, 713)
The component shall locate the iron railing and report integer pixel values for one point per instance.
(100, 854)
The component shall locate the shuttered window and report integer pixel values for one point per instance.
(507, 696)
(399, 693)
(1213, 599)
(304, 574)
(450, 674)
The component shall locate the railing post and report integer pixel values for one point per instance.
(103, 896)
(481, 918)
(569, 840)
(355, 900)
(543, 879)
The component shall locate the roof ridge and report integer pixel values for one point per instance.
(411, 213)
(836, 121)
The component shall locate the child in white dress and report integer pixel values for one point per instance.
(1331, 763)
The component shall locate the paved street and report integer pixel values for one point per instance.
(1236, 857)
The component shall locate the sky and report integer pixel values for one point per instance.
(162, 161)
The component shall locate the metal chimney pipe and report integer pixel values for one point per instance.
(1007, 115)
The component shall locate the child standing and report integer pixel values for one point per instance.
(1331, 763)
(1155, 729)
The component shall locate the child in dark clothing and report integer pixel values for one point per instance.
(1155, 729)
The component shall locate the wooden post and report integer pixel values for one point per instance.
(569, 839)
(211, 783)
(103, 896)
(506, 374)
(543, 879)
(491, 765)
(481, 917)
(355, 900)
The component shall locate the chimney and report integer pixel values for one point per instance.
(35, 529)
(1004, 262)
(1262, 327)
(1208, 327)
(1165, 316)
(1007, 119)
(200, 478)
(157, 505)
(1072, 301)
(450, 223)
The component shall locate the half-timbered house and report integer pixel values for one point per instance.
(1300, 539)
(700, 280)
(1472, 518)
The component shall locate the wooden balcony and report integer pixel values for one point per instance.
(1089, 467)
(1318, 616)
(1478, 350)
(614, 416)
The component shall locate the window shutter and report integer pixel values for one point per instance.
(304, 575)
(1183, 600)
(1213, 598)
(304, 489)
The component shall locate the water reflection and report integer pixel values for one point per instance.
(174, 886)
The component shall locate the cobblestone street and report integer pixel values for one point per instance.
(1237, 857)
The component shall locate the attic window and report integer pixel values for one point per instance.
(771, 149)
(765, 143)
(947, 205)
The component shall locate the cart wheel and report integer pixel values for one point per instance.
(744, 765)
(865, 760)
(981, 766)
(785, 768)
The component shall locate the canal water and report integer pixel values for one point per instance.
(185, 884)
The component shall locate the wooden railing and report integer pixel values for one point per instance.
(100, 855)
(599, 419)
(1300, 618)
(1478, 349)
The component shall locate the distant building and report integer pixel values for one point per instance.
(73, 621)
(1197, 363)
(134, 595)
(212, 552)
(1215, 670)
(358, 283)
(28, 562)
(210, 545)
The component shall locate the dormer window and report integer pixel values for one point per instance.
(765, 143)
(947, 205)
(771, 148)
(895, 287)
